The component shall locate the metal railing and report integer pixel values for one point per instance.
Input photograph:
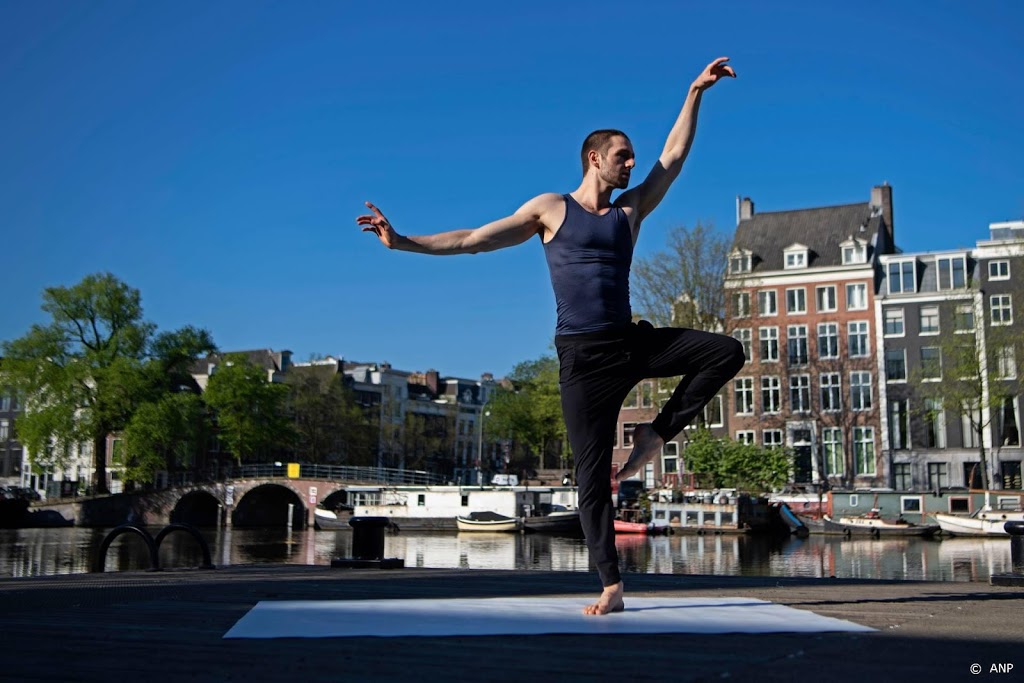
(377, 475)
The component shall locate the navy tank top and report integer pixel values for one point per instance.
(589, 260)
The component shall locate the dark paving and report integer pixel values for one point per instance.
(168, 626)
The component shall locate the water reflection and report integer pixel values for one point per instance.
(39, 552)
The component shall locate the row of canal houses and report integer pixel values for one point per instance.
(855, 360)
(879, 368)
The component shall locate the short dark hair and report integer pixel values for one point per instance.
(598, 140)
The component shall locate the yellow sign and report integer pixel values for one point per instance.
(293, 470)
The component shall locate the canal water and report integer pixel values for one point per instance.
(42, 552)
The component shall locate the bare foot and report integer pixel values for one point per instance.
(646, 445)
(610, 601)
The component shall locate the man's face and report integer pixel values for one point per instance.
(617, 162)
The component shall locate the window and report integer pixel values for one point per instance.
(828, 340)
(854, 251)
(796, 258)
(952, 272)
(741, 304)
(796, 344)
(901, 277)
(832, 449)
(857, 339)
(421, 499)
(739, 262)
(772, 438)
(800, 393)
(745, 436)
(857, 297)
(860, 390)
(998, 270)
(712, 414)
(1001, 306)
(963, 318)
(766, 303)
(935, 424)
(5, 430)
(627, 433)
(970, 415)
(902, 478)
(899, 424)
(911, 504)
(769, 337)
(771, 394)
(895, 365)
(831, 392)
(938, 476)
(893, 322)
(929, 320)
(1009, 423)
(1006, 363)
(5, 403)
(826, 299)
(931, 364)
(1010, 474)
(864, 450)
(743, 336)
(796, 300)
(670, 458)
(744, 388)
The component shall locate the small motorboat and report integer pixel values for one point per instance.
(984, 522)
(487, 521)
(872, 524)
(624, 527)
(560, 519)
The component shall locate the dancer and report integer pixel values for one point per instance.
(588, 241)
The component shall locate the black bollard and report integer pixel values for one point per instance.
(1016, 575)
(368, 545)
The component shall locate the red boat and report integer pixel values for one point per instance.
(624, 527)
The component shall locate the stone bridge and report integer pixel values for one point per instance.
(256, 501)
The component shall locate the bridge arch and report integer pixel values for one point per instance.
(266, 505)
(197, 508)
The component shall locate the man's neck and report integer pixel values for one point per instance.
(593, 194)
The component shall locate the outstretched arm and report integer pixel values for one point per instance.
(505, 232)
(648, 194)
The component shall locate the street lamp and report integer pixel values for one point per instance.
(480, 445)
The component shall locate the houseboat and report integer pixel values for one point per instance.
(712, 511)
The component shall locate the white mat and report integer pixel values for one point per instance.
(524, 616)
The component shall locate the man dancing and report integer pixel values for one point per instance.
(588, 241)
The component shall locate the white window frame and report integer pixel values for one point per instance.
(825, 299)
(832, 451)
(796, 300)
(767, 296)
(744, 386)
(958, 315)
(935, 419)
(900, 264)
(861, 400)
(944, 266)
(854, 251)
(938, 321)
(745, 336)
(742, 258)
(996, 266)
(896, 380)
(1004, 304)
(897, 314)
(930, 378)
(835, 391)
(797, 333)
(795, 258)
(864, 437)
(800, 387)
(772, 438)
(854, 302)
(1006, 362)
(747, 436)
(859, 330)
(828, 327)
(767, 334)
(771, 387)
(741, 304)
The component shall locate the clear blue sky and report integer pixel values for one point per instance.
(215, 155)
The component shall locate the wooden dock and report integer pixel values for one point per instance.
(168, 626)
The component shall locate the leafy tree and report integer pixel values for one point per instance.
(162, 435)
(80, 373)
(428, 440)
(329, 426)
(530, 413)
(249, 409)
(732, 464)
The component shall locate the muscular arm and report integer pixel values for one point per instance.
(646, 196)
(526, 222)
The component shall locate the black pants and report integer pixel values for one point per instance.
(596, 373)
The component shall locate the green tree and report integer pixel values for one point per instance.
(162, 435)
(80, 373)
(329, 426)
(530, 413)
(250, 411)
(724, 463)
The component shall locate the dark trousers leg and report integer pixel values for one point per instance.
(594, 382)
(706, 360)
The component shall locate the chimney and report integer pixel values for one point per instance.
(746, 209)
(881, 198)
(432, 381)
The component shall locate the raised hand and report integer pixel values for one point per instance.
(378, 225)
(713, 72)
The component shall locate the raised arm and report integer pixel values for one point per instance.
(526, 222)
(646, 196)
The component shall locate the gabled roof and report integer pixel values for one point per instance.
(821, 229)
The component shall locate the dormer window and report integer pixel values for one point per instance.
(854, 251)
(796, 256)
(739, 261)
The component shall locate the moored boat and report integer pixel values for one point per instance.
(559, 520)
(487, 521)
(872, 524)
(624, 527)
(984, 522)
